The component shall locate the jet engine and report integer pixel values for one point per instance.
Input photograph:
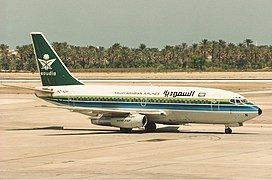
(131, 121)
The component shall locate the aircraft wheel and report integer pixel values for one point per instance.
(150, 126)
(228, 130)
(126, 130)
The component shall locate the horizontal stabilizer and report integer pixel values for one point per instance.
(29, 88)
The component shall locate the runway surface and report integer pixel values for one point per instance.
(44, 143)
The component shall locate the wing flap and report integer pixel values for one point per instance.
(92, 111)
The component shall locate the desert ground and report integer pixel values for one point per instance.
(47, 143)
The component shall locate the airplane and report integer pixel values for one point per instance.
(128, 107)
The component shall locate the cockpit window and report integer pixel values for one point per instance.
(237, 101)
(244, 100)
(232, 101)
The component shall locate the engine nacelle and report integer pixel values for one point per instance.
(131, 121)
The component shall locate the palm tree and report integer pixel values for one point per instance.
(214, 46)
(248, 42)
(101, 56)
(248, 49)
(142, 46)
(231, 54)
(25, 58)
(222, 45)
(204, 45)
(4, 56)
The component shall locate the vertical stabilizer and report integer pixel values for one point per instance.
(52, 70)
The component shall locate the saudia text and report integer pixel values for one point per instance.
(50, 73)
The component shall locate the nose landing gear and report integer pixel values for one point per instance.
(228, 130)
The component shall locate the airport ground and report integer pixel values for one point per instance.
(44, 143)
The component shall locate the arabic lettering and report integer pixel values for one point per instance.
(176, 93)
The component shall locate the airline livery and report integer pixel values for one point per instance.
(128, 107)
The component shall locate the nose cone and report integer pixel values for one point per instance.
(260, 111)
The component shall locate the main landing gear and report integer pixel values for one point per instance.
(228, 130)
(126, 130)
(150, 126)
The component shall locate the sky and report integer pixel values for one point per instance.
(155, 23)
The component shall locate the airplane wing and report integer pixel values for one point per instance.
(106, 112)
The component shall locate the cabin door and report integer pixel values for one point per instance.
(71, 99)
(215, 103)
(143, 102)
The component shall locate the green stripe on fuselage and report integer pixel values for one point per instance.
(145, 99)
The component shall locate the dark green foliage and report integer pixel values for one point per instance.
(205, 55)
(198, 63)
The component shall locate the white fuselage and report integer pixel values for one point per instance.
(180, 104)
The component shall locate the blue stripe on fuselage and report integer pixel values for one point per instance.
(164, 106)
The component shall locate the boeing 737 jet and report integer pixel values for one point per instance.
(128, 107)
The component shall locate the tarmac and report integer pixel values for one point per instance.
(45, 143)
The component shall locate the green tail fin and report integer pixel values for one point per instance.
(52, 70)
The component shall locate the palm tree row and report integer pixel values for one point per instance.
(205, 55)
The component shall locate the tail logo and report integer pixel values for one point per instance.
(46, 62)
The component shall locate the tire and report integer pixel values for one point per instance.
(126, 130)
(228, 130)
